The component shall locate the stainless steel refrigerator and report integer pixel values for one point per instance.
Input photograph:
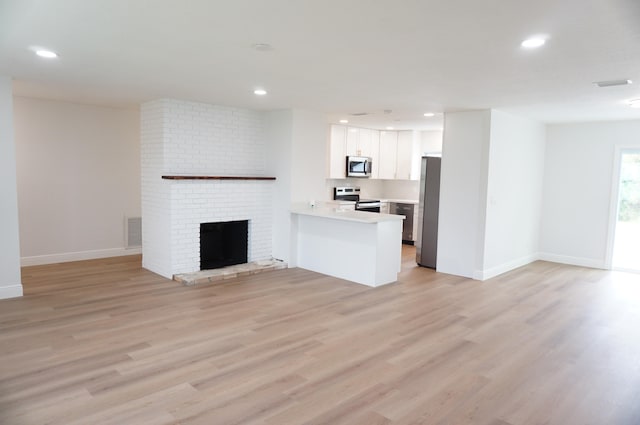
(427, 240)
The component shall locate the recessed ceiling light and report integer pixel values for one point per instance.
(46, 54)
(635, 103)
(429, 114)
(262, 47)
(344, 121)
(533, 42)
(389, 128)
(260, 92)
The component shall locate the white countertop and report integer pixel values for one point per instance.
(347, 215)
(338, 202)
(401, 201)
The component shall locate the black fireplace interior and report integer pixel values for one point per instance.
(223, 244)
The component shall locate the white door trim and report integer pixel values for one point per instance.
(615, 195)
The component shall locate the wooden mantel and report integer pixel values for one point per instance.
(218, 178)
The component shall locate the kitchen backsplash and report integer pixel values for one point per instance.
(382, 189)
(401, 189)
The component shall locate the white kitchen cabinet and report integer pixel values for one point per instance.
(404, 155)
(353, 139)
(345, 140)
(388, 155)
(369, 144)
(365, 142)
(397, 151)
(375, 153)
(392, 151)
(362, 142)
(337, 152)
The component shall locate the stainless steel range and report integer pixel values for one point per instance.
(353, 194)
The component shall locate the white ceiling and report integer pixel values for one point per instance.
(334, 56)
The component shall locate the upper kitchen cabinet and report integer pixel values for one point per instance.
(337, 152)
(362, 142)
(388, 155)
(395, 154)
(404, 169)
(397, 150)
(369, 143)
(352, 141)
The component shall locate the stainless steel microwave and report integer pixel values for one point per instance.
(359, 166)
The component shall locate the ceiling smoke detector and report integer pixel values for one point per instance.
(613, 83)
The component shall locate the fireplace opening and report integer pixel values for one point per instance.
(223, 244)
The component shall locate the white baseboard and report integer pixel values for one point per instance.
(12, 291)
(65, 257)
(505, 267)
(573, 261)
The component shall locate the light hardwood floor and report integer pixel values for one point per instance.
(106, 342)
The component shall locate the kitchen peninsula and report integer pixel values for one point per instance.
(359, 246)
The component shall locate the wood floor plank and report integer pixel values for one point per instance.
(107, 342)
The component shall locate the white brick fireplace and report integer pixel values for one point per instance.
(188, 138)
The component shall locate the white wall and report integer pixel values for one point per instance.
(309, 155)
(491, 193)
(430, 142)
(297, 156)
(279, 133)
(194, 138)
(463, 188)
(577, 189)
(514, 193)
(78, 177)
(156, 193)
(401, 189)
(10, 280)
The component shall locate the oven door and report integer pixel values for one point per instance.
(369, 207)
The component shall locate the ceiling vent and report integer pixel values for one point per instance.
(359, 114)
(612, 83)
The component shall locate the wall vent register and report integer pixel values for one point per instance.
(133, 232)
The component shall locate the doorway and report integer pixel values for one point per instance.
(626, 245)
